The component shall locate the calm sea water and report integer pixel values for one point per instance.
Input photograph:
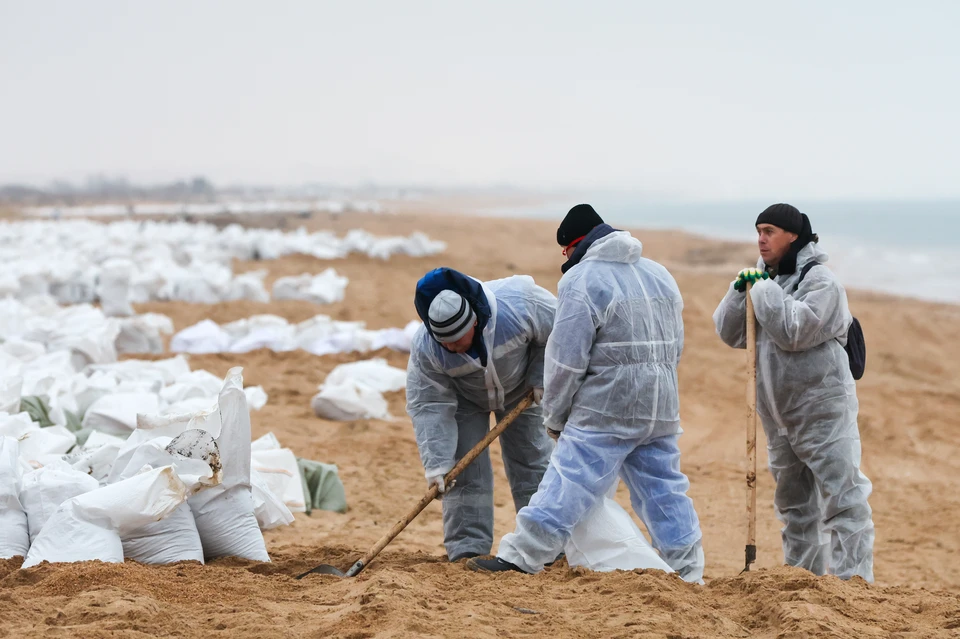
(903, 247)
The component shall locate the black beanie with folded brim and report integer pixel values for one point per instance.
(783, 216)
(790, 219)
(579, 221)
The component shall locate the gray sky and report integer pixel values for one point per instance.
(692, 99)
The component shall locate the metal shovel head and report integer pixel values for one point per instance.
(324, 569)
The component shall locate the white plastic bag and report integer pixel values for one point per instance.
(204, 337)
(349, 401)
(326, 288)
(46, 488)
(375, 373)
(53, 440)
(269, 509)
(116, 414)
(281, 474)
(225, 514)
(175, 537)
(256, 397)
(10, 388)
(607, 539)
(172, 539)
(114, 288)
(14, 533)
(89, 527)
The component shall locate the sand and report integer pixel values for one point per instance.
(910, 402)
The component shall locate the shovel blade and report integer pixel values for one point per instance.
(324, 569)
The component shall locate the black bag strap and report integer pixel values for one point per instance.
(803, 273)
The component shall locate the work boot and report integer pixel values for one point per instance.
(465, 555)
(493, 565)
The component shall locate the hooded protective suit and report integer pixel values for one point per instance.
(611, 388)
(807, 402)
(450, 397)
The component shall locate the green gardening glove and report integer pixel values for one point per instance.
(751, 275)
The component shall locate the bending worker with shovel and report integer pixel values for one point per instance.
(479, 351)
(806, 395)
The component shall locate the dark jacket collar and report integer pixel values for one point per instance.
(598, 232)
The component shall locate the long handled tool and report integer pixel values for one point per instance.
(751, 548)
(363, 562)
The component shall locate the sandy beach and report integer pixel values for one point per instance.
(909, 421)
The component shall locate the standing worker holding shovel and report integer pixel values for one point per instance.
(480, 351)
(611, 399)
(806, 395)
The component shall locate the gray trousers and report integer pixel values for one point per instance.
(468, 506)
(821, 494)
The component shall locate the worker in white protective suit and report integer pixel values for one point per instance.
(480, 351)
(806, 396)
(611, 400)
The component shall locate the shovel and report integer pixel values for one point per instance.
(363, 562)
(750, 551)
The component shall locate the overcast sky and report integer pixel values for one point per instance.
(689, 99)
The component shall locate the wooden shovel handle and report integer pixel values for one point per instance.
(448, 478)
(751, 425)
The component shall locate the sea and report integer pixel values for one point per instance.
(906, 247)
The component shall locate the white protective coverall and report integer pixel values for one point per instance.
(450, 397)
(807, 401)
(611, 389)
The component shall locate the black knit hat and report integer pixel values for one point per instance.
(783, 216)
(579, 221)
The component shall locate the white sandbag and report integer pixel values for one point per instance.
(117, 414)
(607, 539)
(10, 388)
(204, 337)
(275, 338)
(280, 472)
(17, 426)
(23, 350)
(249, 286)
(225, 514)
(375, 373)
(326, 288)
(150, 427)
(256, 397)
(349, 401)
(96, 462)
(266, 442)
(165, 371)
(173, 538)
(97, 439)
(113, 288)
(14, 533)
(192, 385)
(268, 508)
(90, 526)
(46, 488)
(53, 440)
(143, 333)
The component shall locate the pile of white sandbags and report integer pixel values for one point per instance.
(38, 325)
(61, 367)
(319, 335)
(355, 391)
(230, 207)
(183, 485)
(133, 262)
